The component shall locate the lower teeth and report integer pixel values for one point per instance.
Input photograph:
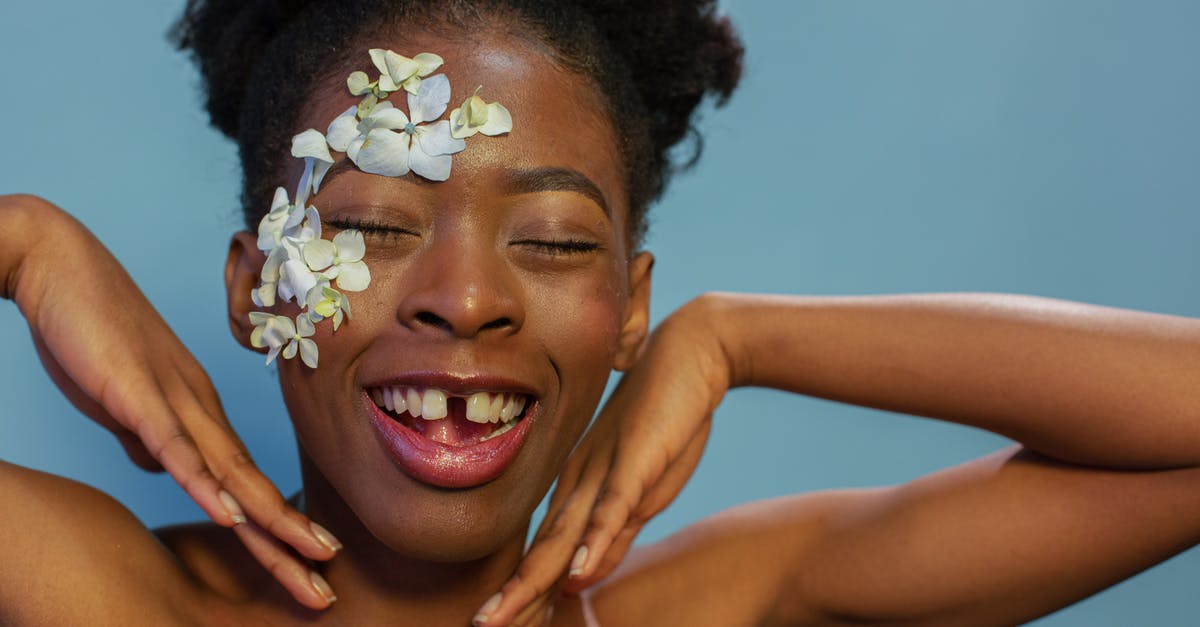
(499, 431)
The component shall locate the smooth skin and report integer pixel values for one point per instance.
(1099, 398)
(996, 541)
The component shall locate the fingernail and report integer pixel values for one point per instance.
(325, 537)
(578, 561)
(322, 587)
(231, 507)
(481, 617)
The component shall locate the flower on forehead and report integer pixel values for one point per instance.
(477, 116)
(280, 334)
(340, 259)
(395, 71)
(326, 302)
(390, 143)
(312, 147)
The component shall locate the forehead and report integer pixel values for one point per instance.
(559, 119)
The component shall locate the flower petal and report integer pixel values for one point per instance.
(308, 352)
(384, 117)
(319, 254)
(350, 245)
(354, 277)
(312, 221)
(297, 279)
(384, 152)
(280, 201)
(264, 296)
(337, 320)
(272, 355)
(342, 129)
(459, 128)
(430, 102)
(499, 120)
(304, 326)
(256, 338)
(358, 83)
(428, 63)
(289, 351)
(400, 67)
(270, 269)
(311, 143)
(436, 139)
(434, 168)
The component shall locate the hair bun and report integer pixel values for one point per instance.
(225, 38)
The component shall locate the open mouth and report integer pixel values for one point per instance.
(451, 419)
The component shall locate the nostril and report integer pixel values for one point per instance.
(498, 323)
(431, 319)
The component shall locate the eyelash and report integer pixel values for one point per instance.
(368, 227)
(554, 247)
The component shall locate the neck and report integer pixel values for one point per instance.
(375, 584)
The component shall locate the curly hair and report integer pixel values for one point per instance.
(247, 52)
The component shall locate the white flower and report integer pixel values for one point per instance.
(340, 259)
(278, 333)
(296, 280)
(396, 71)
(326, 302)
(312, 147)
(477, 116)
(389, 143)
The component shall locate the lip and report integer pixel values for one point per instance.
(447, 466)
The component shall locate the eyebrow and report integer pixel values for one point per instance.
(526, 181)
(555, 179)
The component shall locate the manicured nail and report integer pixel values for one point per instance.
(325, 537)
(231, 507)
(578, 561)
(482, 616)
(322, 587)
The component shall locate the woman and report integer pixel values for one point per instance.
(335, 484)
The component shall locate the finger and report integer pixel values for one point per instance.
(547, 560)
(633, 496)
(173, 447)
(258, 497)
(252, 492)
(137, 452)
(305, 585)
(539, 570)
(610, 560)
(538, 613)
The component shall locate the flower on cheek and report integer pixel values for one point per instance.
(340, 259)
(280, 334)
(326, 302)
(477, 116)
(390, 143)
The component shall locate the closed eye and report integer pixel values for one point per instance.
(559, 247)
(369, 228)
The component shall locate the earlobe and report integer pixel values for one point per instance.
(242, 269)
(636, 324)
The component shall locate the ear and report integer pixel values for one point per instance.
(242, 269)
(637, 313)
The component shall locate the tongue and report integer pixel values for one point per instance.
(454, 429)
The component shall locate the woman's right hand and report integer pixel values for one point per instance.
(116, 359)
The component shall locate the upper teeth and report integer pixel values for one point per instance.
(430, 403)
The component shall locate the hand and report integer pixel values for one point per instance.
(637, 456)
(115, 358)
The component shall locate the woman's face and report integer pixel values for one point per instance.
(510, 281)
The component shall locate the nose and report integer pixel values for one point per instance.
(462, 292)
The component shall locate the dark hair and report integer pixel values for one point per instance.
(247, 52)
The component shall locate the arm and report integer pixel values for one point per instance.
(1080, 383)
(1002, 539)
(86, 315)
(1076, 383)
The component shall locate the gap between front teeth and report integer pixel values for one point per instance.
(430, 404)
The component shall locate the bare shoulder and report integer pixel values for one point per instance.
(741, 556)
(74, 555)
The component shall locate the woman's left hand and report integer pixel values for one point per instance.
(640, 451)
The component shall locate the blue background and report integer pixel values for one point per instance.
(1041, 147)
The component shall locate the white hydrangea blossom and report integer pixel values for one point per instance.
(378, 138)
